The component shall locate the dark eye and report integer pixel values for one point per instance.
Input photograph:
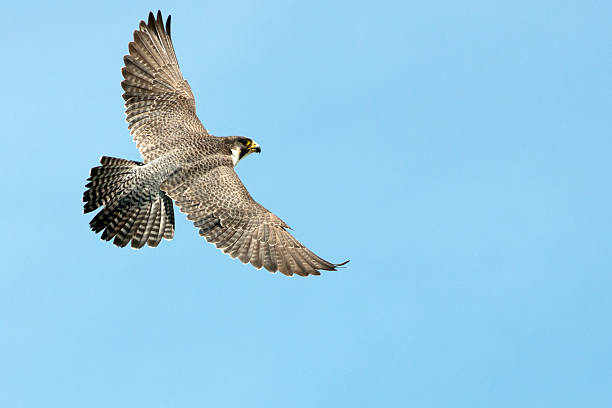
(245, 142)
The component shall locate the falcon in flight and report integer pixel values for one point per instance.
(184, 163)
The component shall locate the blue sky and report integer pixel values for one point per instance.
(457, 152)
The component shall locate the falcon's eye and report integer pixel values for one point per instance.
(246, 142)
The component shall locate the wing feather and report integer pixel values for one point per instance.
(227, 216)
(244, 252)
(160, 107)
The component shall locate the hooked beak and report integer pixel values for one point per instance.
(255, 148)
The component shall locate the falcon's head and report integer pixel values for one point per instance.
(241, 147)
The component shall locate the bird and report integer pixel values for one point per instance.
(183, 164)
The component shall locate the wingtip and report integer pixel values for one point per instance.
(340, 265)
(157, 18)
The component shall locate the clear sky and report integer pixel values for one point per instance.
(458, 153)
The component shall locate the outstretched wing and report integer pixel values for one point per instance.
(160, 106)
(225, 213)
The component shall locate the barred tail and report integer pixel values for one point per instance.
(134, 210)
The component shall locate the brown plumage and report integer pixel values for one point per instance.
(184, 163)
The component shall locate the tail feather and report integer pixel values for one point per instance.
(149, 223)
(116, 161)
(139, 239)
(135, 209)
(104, 218)
(169, 216)
(123, 236)
(113, 226)
(155, 237)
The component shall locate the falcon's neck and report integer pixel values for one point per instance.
(236, 155)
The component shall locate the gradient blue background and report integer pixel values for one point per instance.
(457, 152)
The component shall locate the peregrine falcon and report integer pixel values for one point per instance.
(184, 163)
